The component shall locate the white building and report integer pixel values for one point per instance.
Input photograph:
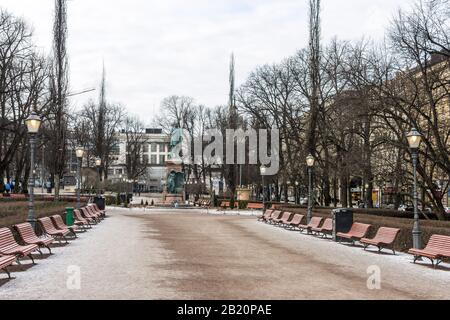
(156, 151)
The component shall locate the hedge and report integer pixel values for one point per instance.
(24, 198)
(13, 214)
(404, 240)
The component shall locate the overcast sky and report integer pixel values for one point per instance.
(156, 48)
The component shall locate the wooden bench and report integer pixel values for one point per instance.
(280, 218)
(437, 250)
(266, 215)
(295, 222)
(103, 212)
(60, 225)
(87, 214)
(9, 246)
(5, 262)
(314, 223)
(225, 205)
(28, 237)
(356, 233)
(287, 216)
(255, 206)
(79, 220)
(326, 229)
(93, 213)
(385, 238)
(275, 215)
(49, 229)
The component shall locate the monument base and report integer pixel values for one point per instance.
(172, 198)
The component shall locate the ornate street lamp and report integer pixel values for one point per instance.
(263, 171)
(33, 123)
(98, 164)
(120, 187)
(79, 152)
(414, 140)
(310, 163)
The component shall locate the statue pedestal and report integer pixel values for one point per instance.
(172, 198)
(173, 171)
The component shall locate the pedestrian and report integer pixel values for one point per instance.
(7, 187)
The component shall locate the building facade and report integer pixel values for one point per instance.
(155, 151)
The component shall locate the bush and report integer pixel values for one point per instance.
(243, 204)
(17, 212)
(110, 200)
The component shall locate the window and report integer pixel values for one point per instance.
(145, 148)
(162, 148)
(153, 159)
(119, 171)
(145, 158)
(153, 146)
(115, 150)
(162, 159)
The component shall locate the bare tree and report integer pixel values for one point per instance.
(314, 72)
(23, 76)
(59, 82)
(136, 139)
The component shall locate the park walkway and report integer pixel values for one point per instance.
(191, 255)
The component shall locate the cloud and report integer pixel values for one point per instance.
(153, 49)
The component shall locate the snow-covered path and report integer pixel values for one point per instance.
(187, 254)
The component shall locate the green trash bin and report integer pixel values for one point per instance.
(69, 216)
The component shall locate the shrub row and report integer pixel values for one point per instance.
(404, 240)
(23, 198)
(14, 214)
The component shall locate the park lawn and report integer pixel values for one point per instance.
(16, 212)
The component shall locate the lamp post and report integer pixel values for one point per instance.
(98, 163)
(367, 196)
(263, 170)
(42, 170)
(120, 187)
(310, 163)
(79, 151)
(33, 123)
(414, 140)
(297, 196)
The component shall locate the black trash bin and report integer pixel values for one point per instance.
(342, 221)
(129, 198)
(100, 202)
